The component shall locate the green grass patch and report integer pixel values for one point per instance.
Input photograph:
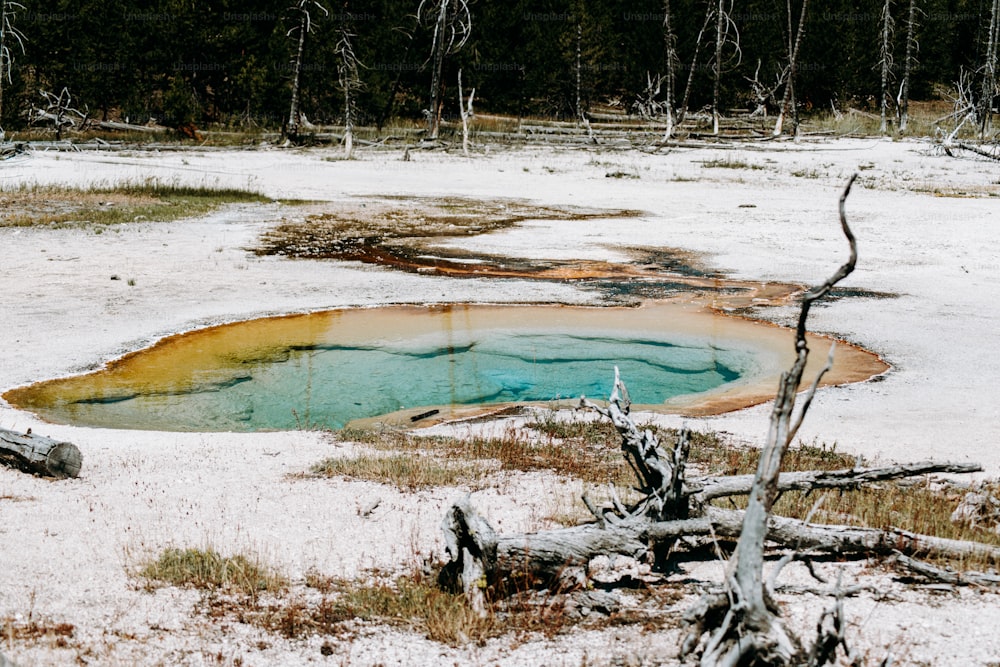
(409, 471)
(731, 163)
(207, 569)
(59, 206)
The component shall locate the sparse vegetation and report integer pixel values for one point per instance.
(153, 201)
(34, 630)
(409, 472)
(207, 569)
(731, 163)
(415, 602)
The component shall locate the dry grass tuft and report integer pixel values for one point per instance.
(414, 602)
(34, 630)
(409, 472)
(207, 569)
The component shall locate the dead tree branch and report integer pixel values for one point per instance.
(751, 622)
(742, 625)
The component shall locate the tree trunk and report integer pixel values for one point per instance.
(579, 64)
(4, 60)
(885, 61)
(465, 112)
(682, 112)
(39, 455)
(440, 46)
(792, 65)
(671, 40)
(720, 17)
(989, 73)
(292, 132)
(911, 48)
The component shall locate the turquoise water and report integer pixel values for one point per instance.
(328, 385)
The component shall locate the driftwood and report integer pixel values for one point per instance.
(933, 573)
(741, 625)
(115, 126)
(39, 455)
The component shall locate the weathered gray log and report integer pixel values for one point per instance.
(702, 491)
(483, 558)
(984, 579)
(39, 455)
(128, 127)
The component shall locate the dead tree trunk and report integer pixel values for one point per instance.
(750, 625)
(8, 34)
(39, 455)
(671, 78)
(911, 53)
(302, 9)
(793, 59)
(885, 62)
(682, 111)
(452, 28)
(465, 110)
(347, 71)
(717, 69)
(725, 33)
(989, 72)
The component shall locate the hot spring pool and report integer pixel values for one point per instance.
(327, 369)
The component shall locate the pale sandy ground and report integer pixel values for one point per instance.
(66, 546)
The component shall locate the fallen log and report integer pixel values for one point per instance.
(115, 126)
(482, 559)
(928, 571)
(702, 491)
(39, 455)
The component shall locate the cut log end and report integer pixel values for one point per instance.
(64, 460)
(39, 455)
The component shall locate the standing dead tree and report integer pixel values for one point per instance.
(909, 60)
(964, 111)
(750, 625)
(989, 69)
(9, 36)
(726, 33)
(741, 625)
(788, 100)
(762, 95)
(452, 23)
(670, 79)
(303, 10)
(58, 111)
(685, 100)
(349, 82)
(465, 111)
(885, 63)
